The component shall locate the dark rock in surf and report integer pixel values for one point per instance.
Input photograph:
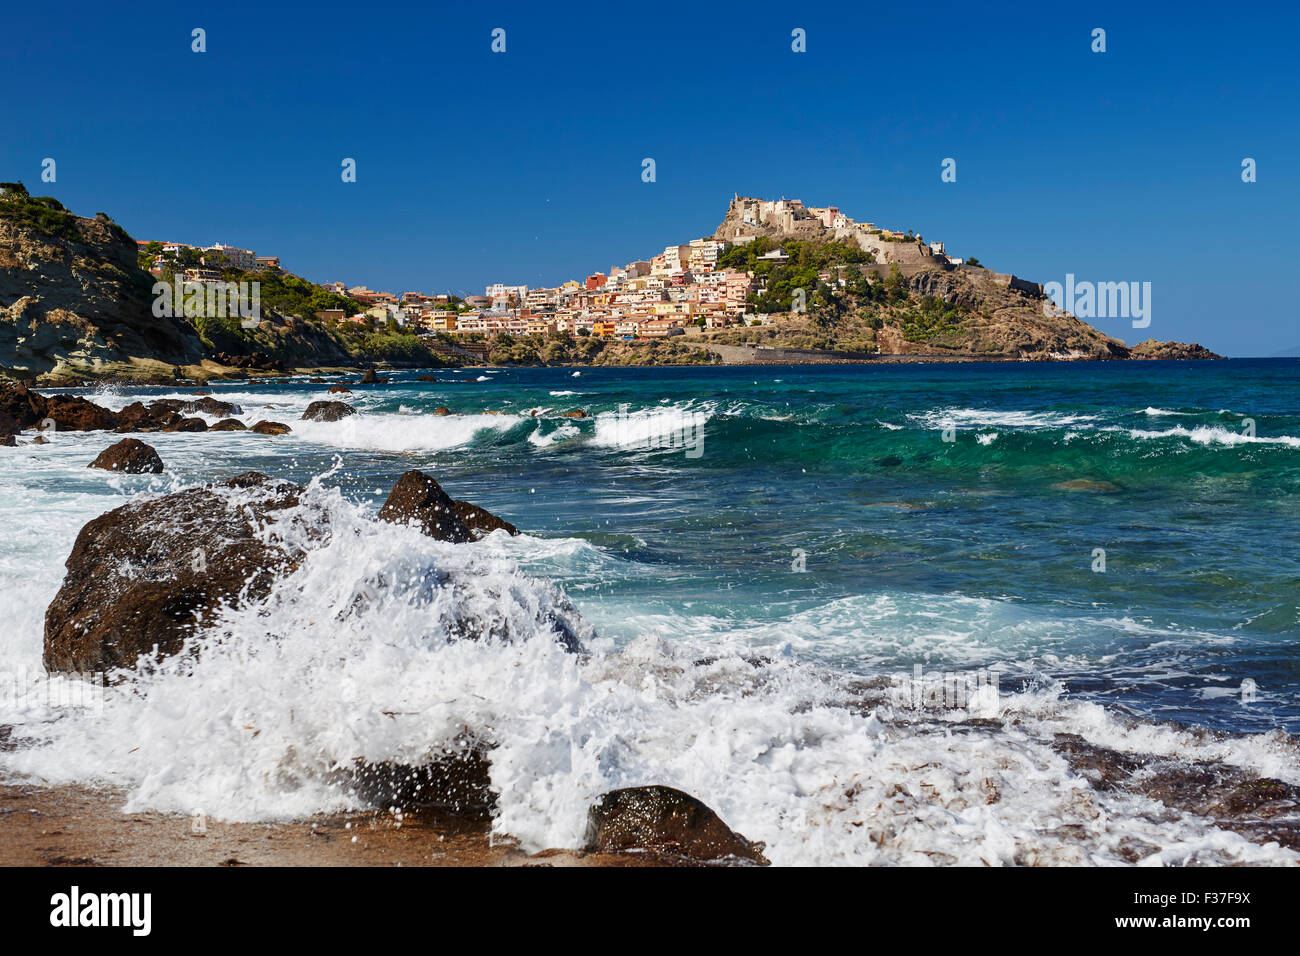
(131, 456)
(479, 521)
(418, 499)
(187, 425)
(70, 413)
(229, 425)
(455, 779)
(211, 406)
(20, 408)
(144, 576)
(271, 428)
(167, 414)
(327, 411)
(664, 820)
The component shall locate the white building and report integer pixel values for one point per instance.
(235, 258)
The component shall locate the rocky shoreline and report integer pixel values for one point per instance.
(147, 373)
(144, 579)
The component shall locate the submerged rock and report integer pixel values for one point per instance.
(339, 390)
(327, 411)
(664, 820)
(130, 455)
(1087, 484)
(575, 413)
(1262, 809)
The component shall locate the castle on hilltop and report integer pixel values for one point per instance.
(748, 218)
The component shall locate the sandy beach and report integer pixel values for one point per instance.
(74, 826)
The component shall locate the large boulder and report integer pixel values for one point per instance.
(187, 425)
(419, 500)
(229, 425)
(664, 820)
(20, 408)
(327, 411)
(71, 413)
(130, 455)
(146, 575)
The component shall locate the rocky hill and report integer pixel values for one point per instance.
(870, 290)
(75, 303)
(73, 296)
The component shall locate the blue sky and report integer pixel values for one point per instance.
(525, 167)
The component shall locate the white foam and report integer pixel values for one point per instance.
(678, 425)
(542, 439)
(1217, 435)
(386, 432)
(974, 417)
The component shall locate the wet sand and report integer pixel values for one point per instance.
(74, 826)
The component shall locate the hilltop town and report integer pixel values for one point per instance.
(777, 280)
(692, 285)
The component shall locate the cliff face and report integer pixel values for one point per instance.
(1001, 319)
(72, 297)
